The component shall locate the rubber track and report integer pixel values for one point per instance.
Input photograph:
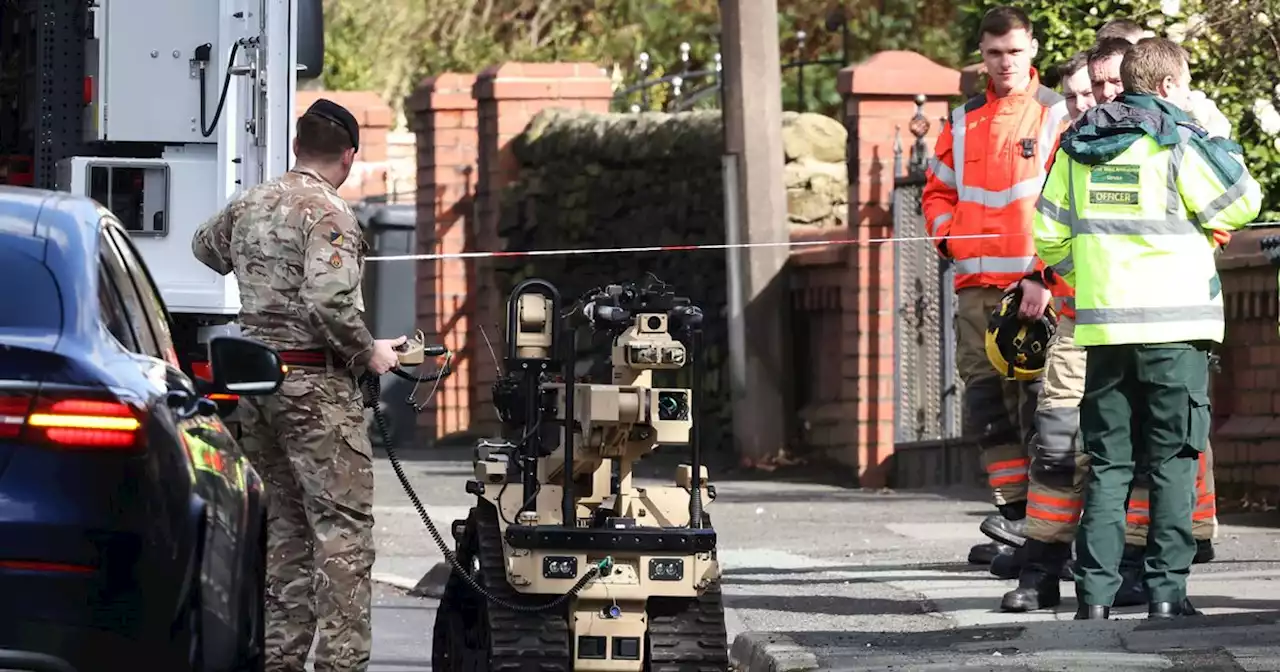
(520, 642)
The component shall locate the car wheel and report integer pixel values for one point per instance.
(253, 622)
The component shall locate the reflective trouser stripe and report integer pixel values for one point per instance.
(1140, 510)
(1053, 509)
(1008, 472)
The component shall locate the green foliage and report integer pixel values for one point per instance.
(390, 45)
(1234, 47)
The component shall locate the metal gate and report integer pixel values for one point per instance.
(928, 388)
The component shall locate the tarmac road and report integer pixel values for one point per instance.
(821, 577)
(401, 630)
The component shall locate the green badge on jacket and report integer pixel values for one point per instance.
(1117, 174)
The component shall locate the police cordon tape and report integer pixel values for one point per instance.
(672, 248)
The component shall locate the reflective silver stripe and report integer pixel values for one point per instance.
(1049, 131)
(1148, 315)
(994, 265)
(1174, 207)
(1067, 302)
(1175, 226)
(940, 220)
(999, 199)
(1233, 193)
(1008, 476)
(1053, 211)
(942, 171)
(1065, 266)
(957, 144)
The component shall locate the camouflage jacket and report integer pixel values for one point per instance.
(298, 255)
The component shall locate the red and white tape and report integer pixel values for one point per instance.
(666, 248)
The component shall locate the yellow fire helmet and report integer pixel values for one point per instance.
(1018, 348)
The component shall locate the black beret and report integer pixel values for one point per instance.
(327, 109)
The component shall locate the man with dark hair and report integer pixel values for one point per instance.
(984, 178)
(1132, 200)
(1076, 87)
(1104, 68)
(298, 254)
(1125, 29)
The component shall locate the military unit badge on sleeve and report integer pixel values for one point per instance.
(335, 237)
(335, 260)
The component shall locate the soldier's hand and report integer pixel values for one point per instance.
(1035, 298)
(384, 354)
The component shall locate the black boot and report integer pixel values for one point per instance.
(1038, 581)
(1092, 612)
(1132, 590)
(1009, 565)
(985, 554)
(1204, 552)
(1171, 609)
(1009, 527)
(1068, 571)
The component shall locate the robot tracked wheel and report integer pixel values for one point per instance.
(654, 604)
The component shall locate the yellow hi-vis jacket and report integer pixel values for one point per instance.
(1126, 217)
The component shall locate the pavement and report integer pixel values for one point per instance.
(820, 577)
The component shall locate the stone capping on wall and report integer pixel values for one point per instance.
(898, 74)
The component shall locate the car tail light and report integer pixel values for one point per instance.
(70, 421)
(203, 370)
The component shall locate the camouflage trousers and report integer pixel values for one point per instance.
(1059, 465)
(997, 409)
(310, 444)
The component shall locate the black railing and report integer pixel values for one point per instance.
(683, 95)
(691, 85)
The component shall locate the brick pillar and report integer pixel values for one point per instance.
(443, 117)
(369, 173)
(879, 94)
(507, 97)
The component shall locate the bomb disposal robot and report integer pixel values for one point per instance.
(563, 563)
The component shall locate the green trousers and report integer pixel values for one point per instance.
(1155, 397)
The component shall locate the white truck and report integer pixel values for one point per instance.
(161, 110)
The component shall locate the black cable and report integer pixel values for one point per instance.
(374, 386)
(202, 54)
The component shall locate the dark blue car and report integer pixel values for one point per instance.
(132, 528)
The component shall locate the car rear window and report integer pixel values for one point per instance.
(29, 297)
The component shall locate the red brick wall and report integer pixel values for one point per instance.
(369, 174)
(1246, 393)
(442, 116)
(464, 126)
(853, 418)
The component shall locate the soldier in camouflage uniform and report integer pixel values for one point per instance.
(298, 254)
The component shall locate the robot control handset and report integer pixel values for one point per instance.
(413, 353)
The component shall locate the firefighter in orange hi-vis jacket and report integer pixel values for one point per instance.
(991, 160)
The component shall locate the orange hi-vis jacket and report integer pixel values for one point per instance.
(990, 162)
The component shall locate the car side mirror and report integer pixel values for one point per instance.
(244, 367)
(310, 45)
